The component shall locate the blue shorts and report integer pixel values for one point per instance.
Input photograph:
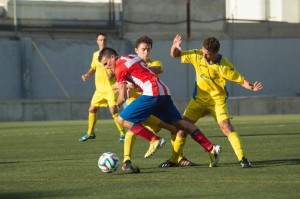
(144, 106)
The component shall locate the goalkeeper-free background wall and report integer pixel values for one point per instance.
(41, 79)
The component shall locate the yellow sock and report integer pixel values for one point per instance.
(182, 145)
(128, 145)
(173, 138)
(92, 122)
(177, 148)
(236, 145)
(119, 126)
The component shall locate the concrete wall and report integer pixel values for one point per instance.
(54, 14)
(207, 17)
(53, 68)
(41, 110)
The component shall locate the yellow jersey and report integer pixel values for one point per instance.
(102, 83)
(210, 82)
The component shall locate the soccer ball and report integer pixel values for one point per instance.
(108, 162)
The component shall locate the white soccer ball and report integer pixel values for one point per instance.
(108, 162)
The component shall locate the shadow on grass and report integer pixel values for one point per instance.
(268, 134)
(281, 162)
(141, 172)
(36, 194)
(254, 135)
(268, 163)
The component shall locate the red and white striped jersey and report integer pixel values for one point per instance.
(133, 69)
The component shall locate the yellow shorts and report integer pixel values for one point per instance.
(104, 99)
(196, 110)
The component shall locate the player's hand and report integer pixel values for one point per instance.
(85, 77)
(129, 85)
(110, 75)
(177, 41)
(116, 87)
(257, 86)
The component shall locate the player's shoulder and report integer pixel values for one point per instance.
(96, 53)
(196, 51)
(192, 52)
(225, 64)
(224, 61)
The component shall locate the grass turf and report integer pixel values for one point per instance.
(45, 160)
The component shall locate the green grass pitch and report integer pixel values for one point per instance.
(45, 160)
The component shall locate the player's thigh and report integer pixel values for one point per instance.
(219, 111)
(167, 111)
(140, 109)
(100, 99)
(195, 110)
(111, 98)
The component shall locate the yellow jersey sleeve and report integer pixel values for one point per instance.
(102, 83)
(191, 56)
(228, 71)
(153, 63)
(95, 60)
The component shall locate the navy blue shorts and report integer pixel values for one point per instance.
(144, 106)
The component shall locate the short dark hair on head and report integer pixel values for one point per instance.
(211, 44)
(106, 52)
(102, 33)
(144, 39)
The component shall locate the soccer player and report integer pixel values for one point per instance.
(104, 94)
(210, 94)
(155, 100)
(143, 48)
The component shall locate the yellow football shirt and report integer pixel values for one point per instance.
(210, 78)
(102, 83)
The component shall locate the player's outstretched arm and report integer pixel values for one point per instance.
(175, 48)
(254, 87)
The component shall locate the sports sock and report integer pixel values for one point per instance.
(119, 126)
(140, 130)
(173, 138)
(199, 137)
(182, 145)
(236, 144)
(177, 148)
(128, 145)
(92, 122)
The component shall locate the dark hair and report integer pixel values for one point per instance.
(144, 39)
(103, 34)
(211, 44)
(106, 52)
